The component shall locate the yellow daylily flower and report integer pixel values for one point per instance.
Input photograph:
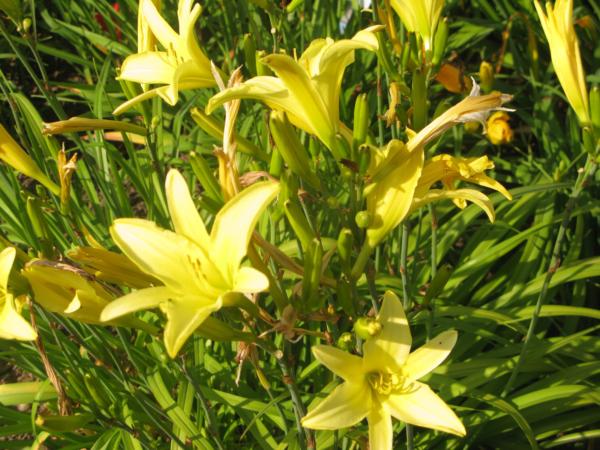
(564, 51)
(420, 16)
(181, 65)
(307, 89)
(67, 290)
(383, 383)
(13, 155)
(448, 169)
(395, 171)
(199, 271)
(12, 325)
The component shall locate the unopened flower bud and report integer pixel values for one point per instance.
(498, 128)
(363, 219)
(486, 76)
(345, 341)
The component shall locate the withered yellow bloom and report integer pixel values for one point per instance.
(67, 290)
(12, 324)
(384, 382)
(448, 170)
(13, 155)
(201, 272)
(420, 16)
(307, 89)
(180, 65)
(564, 51)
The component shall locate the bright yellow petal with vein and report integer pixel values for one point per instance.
(429, 356)
(388, 350)
(343, 364)
(249, 280)
(149, 67)
(159, 26)
(234, 224)
(347, 405)
(183, 319)
(381, 433)
(309, 104)
(183, 212)
(136, 301)
(471, 195)
(423, 408)
(390, 199)
(158, 252)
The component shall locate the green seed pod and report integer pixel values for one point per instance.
(486, 76)
(361, 122)
(363, 219)
(367, 327)
(291, 149)
(344, 248)
(299, 223)
(345, 341)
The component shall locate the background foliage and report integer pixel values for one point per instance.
(61, 61)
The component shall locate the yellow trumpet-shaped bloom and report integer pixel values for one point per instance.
(181, 65)
(564, 51)
(307, 89)
(420, 16)
(384, 382)
(448, 169)
(199, 270)
(395, 171)
(12, 325)
(13, 155)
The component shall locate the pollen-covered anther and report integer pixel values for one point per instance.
(389, 383)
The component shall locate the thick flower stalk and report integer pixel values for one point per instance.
(384, 382)
(420, 16)
(564, 51)
(307, 89)
(12, 324)
(180, 65)
(201, 272)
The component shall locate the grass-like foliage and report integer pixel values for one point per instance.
(305, 224)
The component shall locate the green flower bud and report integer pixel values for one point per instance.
(345, 341)
(363, 219)
(367, 327)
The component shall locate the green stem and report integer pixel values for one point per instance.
(403, 268)
(306, 436)
(578, 187)
(434, 227)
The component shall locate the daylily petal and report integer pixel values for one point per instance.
(343, 364)
(389, 348)
(235, 222)
(7, 258)
(184, 214)
(158, 252)
(429, 356)
(309, 103)
(471, 195)
(188, 16)
(159, 26)
(381, 434)
(347, 405)
(389, 199)
(423, 408)
(149, 68)
(136, 301)
(249, 280)
(12, 325)
(183, 319)
(334, 60)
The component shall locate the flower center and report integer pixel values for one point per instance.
(389, 383)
